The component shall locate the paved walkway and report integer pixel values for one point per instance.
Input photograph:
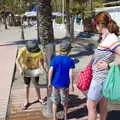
(9, 35)
(77, 109)
(17, 99)
(7, 65)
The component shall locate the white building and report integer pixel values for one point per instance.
(113, 11)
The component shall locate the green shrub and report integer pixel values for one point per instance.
(58, 20)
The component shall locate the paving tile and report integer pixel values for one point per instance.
(6, 74)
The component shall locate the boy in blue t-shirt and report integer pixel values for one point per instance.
(60, 76)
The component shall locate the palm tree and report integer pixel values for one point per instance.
(46, 30)
(45, 20)
(12, 7)
(47, 39)
(4, 15)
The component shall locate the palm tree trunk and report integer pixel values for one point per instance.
(67, 17)
(71, 27)
(69, 21)
(5, 19)
(47, 41)
(45, 24)
(4, 13)
(46, 29)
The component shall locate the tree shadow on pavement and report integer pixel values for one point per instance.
(78, 113)
(82, 53)
(84, 35)
(87, 50)
(114, 115)
(74, 101)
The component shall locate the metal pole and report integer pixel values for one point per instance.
(22, 29)
(63, 6)
(38, 37)
(91, 7)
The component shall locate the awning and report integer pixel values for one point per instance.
(58, 14)
(31, 14)
(34, 14)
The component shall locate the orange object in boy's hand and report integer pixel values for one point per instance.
(49, 85)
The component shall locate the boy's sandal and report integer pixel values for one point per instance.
(42, 101)
(25, 107)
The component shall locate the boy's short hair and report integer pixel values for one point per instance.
(65, 46)
(32, 46)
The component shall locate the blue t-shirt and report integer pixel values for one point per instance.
(61, 66)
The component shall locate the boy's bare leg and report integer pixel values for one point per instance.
(27, 90)
(65, 112)
(54, 111)
(26, 104)
(37, 89)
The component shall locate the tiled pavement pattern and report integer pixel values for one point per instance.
(76, 107)
(17, 97)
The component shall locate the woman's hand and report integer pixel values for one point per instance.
(102, 65)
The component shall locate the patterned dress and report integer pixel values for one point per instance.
(104, 52)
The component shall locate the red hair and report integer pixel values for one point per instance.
(105, 19)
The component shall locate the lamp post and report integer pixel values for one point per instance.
(22, 28)
(38, 23)
(63, 6)
(5, 15)
(91, 2)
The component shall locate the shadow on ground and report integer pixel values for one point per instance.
(74, 101)
(80, 111)
(82, 53)
(114, 115)
(85, 35)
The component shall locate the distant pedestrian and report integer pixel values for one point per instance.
(29, 61)
(104, 54)
(60, 76)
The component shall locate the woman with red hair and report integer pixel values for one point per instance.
(104, 54)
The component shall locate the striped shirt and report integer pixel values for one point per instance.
(104, 52)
